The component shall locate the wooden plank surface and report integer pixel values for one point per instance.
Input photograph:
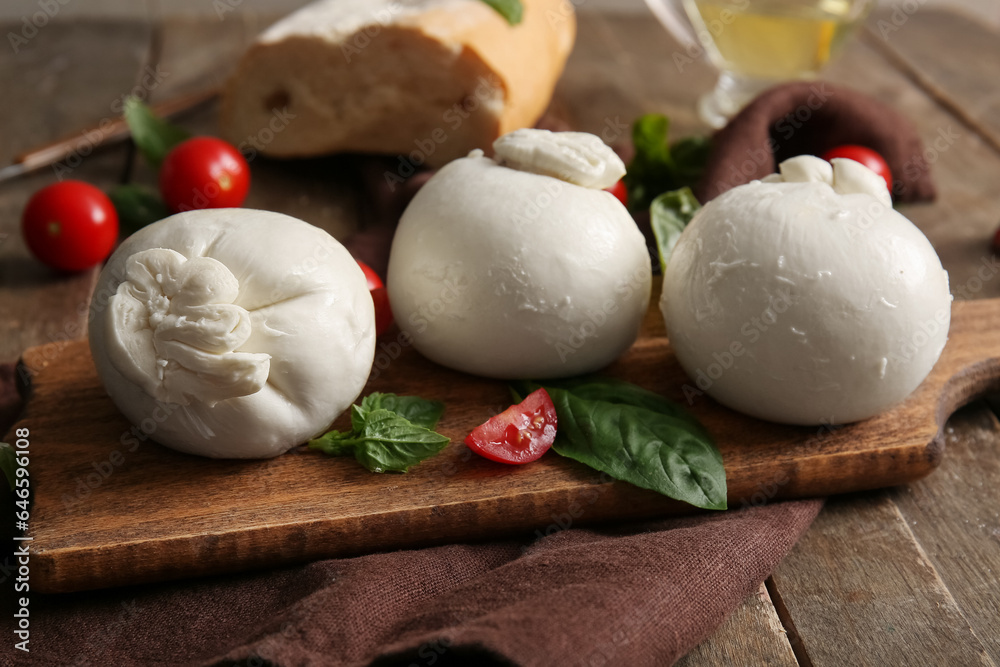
(955, 516)
(862, 592)
(836, 624)
(753, 635)
(632, 51)
(960, 224)
(200, 54)
(97, 520)
(56, 83)
(915, 40)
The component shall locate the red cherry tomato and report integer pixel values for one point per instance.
(383, 313)
(519, 434)
(619, 190)
(865, 156)
(204, 172)
(70, 226)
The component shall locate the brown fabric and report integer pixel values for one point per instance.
(811, 117)
(638, 594)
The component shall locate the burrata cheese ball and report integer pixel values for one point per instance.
(806, 298)
(522, 265)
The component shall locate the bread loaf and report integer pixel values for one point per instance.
(426, 79)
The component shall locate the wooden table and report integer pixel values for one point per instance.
(905, 576)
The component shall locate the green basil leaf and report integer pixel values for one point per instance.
(8, 463)
(669, 214)
(659, 166)
(651, 165)
(358, 416)
(390, 443)
(644, 447)
(649, 136)
(389, 433)
(613, 390)
(334, 443)
(153, 136)
(690, 156)
(137, 206)
(512, 10)
(416, 410)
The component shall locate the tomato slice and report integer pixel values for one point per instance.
(519, 434)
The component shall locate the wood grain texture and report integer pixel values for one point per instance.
(325, 192)
(948, 54)
(56, 82)
(114, 508)
(955, 516)
(961, 222)
(752, 635)
(859, 598)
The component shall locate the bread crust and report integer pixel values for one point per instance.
(428, 80)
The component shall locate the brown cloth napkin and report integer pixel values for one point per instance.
(633, 594)
(638, 594)
(811, 117)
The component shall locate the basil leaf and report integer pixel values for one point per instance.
(690, 156)
(334, 443)
(649, 136)
(512, 10)
(669, 214)
(390, 443)
(613, 390)
(644, 447)
(659, 166)
(389, 433)
(416, 410)
(153, 136)
(137, 207)
(8, 463)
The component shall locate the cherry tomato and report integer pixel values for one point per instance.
(619, 190)
(383, 313)
(70, 226)
(519, 434)
(204, 172)
(865, 156)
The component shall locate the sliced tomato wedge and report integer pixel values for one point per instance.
(519, 434)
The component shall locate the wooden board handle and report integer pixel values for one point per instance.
(969, 367)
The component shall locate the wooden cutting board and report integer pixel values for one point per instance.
(113, 509)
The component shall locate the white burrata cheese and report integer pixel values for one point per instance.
(806, 299)
(516, 271)
(232, 333)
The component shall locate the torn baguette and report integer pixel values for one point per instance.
(426, 79)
